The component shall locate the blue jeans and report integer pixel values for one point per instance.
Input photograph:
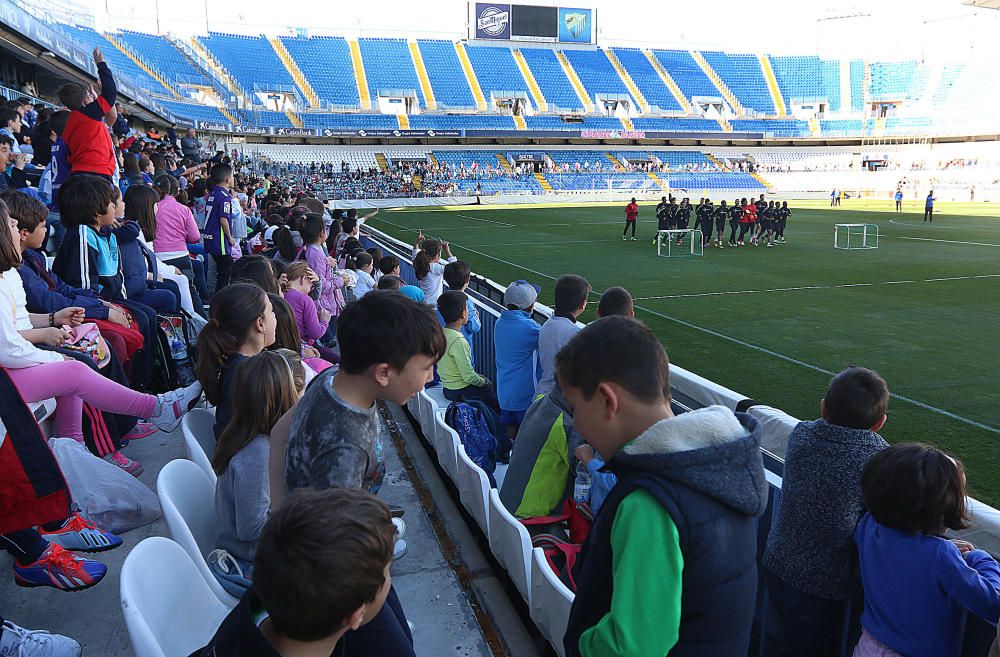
(162, 297)
(224, 566)
(800, 624)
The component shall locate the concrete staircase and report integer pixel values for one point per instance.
(504, 162)
(759, 178)
(383, 163)
(432, 159)
(626, 123)
(726, 92)
(725, 125)
(814, 129)
(611, 158)
(293, 118)
(470, 76)
(529, 77)
(772, 85)
(425, 82)
(404, 121)
(716, 161)
(520, 123)
(668, 80)
(574, 80)
(293, 69)
(655, 178)
(630, 84)
(359, 75)
(141, 64)
(543, 182)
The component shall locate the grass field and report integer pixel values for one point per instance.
(775, 323)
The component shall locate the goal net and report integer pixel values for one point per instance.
(855, 236)
(680, 242)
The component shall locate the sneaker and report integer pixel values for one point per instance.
(633, 239)
(171, 406)
(130, 466)
(142, 429)
(398, 549)
(624, 238)
(16, 641)
(400, 526)
(60, 569)
(81, 535)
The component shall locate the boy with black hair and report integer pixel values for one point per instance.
(458, 377)
(389, 265)
(218, 235)
(571, 293)
(389, 346)
(669, 564)
(615, 301)
(390, 283)
(14, 162)
(457, 276)
(321, 572)
(86, 134)
(811, 564)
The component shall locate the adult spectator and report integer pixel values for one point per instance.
(191, 147)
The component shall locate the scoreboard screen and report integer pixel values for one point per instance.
(533, 22)
(505, 22)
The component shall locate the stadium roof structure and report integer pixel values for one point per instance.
(985, 4)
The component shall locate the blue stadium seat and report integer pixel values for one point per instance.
(676, 125)
(162, 56)
(349, 121)
(496, 70)
(389, 66)
(687, 74)
(326, 63)
(841, 127)
(195, 111)
(451, 89)
(461, 122)
(597, 74)
(250, 61)
(118, 62)
(745, 78)
(551, 79)
(857, 83)
(657, 95)
(802, 78)
(776, 127)
(897, 80)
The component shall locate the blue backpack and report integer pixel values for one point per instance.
(472, 421)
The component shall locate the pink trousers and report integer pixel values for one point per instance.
(72, 383)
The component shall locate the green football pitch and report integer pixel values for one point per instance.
(776, 323)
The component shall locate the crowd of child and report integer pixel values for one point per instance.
(306, 331)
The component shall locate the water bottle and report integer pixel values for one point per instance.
(581, 487)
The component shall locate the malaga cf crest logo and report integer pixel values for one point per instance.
(493, 21)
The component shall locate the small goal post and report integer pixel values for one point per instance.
(855, 236)
(671, 243)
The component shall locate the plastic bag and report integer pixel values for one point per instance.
(110, 497)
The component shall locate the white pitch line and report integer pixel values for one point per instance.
(927, 239)
(770, 352)
(814, 287)
(816, 368)
(489, 221)
(921, 225)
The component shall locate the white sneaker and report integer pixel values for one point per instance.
(398, 551)
(171, 406)
(400, 526)
(17, 641)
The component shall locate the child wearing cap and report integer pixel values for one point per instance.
(516, 342)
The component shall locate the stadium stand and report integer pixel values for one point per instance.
(451, 89)
(389, 67)
(496, 70)
(743, 75)
(801, 78)
(326, 63)
(251, 61)
(461, 121)
(597, 74)
(776, 127)
(555, 86)
(349, 121)
(196, 111)
(162, 56)
(687, 74)
(647, 79)
(117, 59)
(676, 125)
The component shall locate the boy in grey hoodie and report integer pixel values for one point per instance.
(811, 561)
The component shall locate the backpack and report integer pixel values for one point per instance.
(561, 537)
(174, 352)
(469, 420)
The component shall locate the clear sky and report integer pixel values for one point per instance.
(884, 29)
